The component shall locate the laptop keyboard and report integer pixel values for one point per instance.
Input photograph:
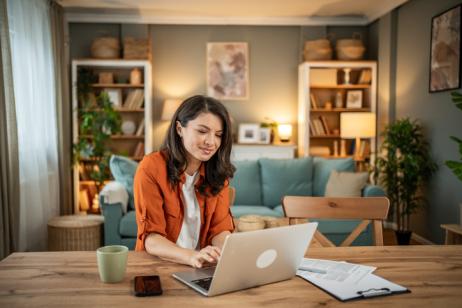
(204, 283)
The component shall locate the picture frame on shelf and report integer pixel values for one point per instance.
(354, 99)
(228, 70)
(115, 96)
(249, 133)
(445, 50)
(265, 135)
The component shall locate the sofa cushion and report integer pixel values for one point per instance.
(346, 184)
(240, 210)
(247, 181)
(322, 169)
(127, 226)
(123, 170)
(285, 177)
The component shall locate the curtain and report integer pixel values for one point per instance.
(9, 164)
(35, 97)
(63, 106)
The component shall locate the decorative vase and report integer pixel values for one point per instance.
(403, 237)
(128, 127)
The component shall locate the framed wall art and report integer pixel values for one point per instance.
(249, 133)
(445, 51)
(228, 70)
(354, 99)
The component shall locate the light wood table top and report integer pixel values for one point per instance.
(63, 279)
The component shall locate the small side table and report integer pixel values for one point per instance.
(75, 232)
(453, 234)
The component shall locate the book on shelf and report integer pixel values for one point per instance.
(365, 77)
(134, 99)
(324, 124)
(139, 150)
(318, 128)
(140, 129)
(313, 102)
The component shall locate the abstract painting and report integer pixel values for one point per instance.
(445, 51)
(228, 70)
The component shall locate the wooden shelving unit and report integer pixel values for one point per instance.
(325, 90)
(119, 144)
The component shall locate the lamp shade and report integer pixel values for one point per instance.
(357, 125)
(284, 132)
(170, 106)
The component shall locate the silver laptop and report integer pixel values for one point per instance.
(254, 258)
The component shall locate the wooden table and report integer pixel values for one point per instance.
(52, 279)
(453, 234)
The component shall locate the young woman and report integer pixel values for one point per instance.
(182, 192)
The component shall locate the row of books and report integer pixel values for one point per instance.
(319, 127)
(134, 99)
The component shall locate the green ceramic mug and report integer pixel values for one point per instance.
(112, 262)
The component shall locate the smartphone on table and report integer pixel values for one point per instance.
(147, 286)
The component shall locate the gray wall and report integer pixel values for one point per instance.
(179, 63)
(403, 92)
(179, 69)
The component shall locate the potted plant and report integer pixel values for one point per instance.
(403, 167)
(98, 121)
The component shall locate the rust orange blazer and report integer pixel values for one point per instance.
(159, 207)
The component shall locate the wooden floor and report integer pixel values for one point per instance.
(389, 238)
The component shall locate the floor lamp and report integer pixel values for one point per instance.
(357, 125)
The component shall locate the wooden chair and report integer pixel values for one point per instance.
(371, 209)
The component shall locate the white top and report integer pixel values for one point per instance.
(190, 229)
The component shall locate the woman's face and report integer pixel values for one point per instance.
(201, 136)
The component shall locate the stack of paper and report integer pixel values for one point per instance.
(345, 280)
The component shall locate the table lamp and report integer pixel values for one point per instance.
(170, 106)
(357, 125)
(284, 132)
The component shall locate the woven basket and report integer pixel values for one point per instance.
(74, 232)
(250, 223)
(317, 50)
(105, 48)
(136, 48)
(350, 49)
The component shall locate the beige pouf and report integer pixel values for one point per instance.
(250, 223)
(75, 232)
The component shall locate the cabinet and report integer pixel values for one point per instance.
(254, 152)
(131, 100)
(327, 89)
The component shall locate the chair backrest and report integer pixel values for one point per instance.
(232, 195)
(371, 209)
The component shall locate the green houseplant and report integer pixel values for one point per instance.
(456, 166)
(97, 122)
(403, 167)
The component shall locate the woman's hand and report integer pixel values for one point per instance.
(209, 254)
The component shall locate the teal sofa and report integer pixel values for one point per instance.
(260, 186)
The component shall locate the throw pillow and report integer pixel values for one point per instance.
(345, 184)
(123, 170)
(323, 167)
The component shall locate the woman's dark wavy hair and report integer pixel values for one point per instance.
(218, 168)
